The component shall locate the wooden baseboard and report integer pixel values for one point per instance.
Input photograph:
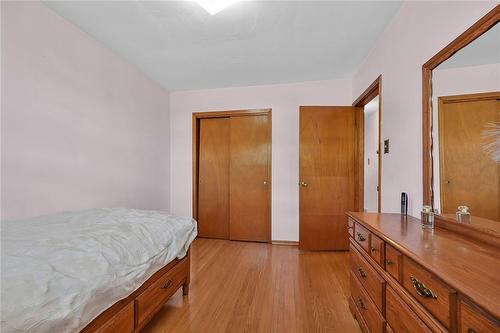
(284, 242)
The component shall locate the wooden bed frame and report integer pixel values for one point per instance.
(132, 313)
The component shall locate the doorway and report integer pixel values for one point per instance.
(370, 148)
(232, 174)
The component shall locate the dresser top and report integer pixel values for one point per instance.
(469, 267)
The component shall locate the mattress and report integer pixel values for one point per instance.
(59, 272)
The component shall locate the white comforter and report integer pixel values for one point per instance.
(60, 271)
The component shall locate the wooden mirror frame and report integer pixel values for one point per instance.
(471, 34)
(480, 27)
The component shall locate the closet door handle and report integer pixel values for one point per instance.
(303, 184)
(265, 182)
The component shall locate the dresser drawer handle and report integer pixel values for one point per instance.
(421, 289)
(374, 249)
(167, 285)
(388, 262)
(361, 304)
(361, 272)
(470, 330)
(361, 238)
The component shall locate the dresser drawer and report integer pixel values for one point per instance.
(428, 290)
(393, 262)
(350, 227)
(157, 294)
(371, 315)
(368, 277)
(400, 317)
(355, 312)
(377, 249)
(472, 320)
(362, 236)
(388, 329)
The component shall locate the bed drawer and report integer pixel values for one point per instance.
(123, 321)
(377, 249)
(117, 318)
(473, 321)
(157, 294)
(371, 316)
(429, 291)
(400, 317)
(362, 236)
(369, 278)
(393, 262)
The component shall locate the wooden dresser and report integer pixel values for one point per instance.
(405, 279)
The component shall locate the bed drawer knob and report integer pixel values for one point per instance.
(168, 284)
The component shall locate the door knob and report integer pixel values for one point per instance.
(303, 184)
(265, 182)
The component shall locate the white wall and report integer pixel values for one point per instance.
(284, 100)
(371, 147)
(80, 126)
(418, 31)
(71, 104)
(458, 81)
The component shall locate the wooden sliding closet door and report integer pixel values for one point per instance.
(328, 139)
(213, 188)
(249, 178)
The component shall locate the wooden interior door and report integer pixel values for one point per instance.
(213, 178)
(328, 163)
(249, 178)
(469, 175)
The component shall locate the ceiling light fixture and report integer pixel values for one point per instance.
(215, 6)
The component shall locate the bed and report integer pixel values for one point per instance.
(95, 270)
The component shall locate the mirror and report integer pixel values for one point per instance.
(465, 127)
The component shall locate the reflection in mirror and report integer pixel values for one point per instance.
(466, 132)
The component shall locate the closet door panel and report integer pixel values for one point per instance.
(249, 178)
(213, 194)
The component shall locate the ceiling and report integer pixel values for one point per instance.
(482, 51)
(180, 46)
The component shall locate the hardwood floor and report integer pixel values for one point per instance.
(257, 287)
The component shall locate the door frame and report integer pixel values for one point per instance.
(197, 116)
(373, 90)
